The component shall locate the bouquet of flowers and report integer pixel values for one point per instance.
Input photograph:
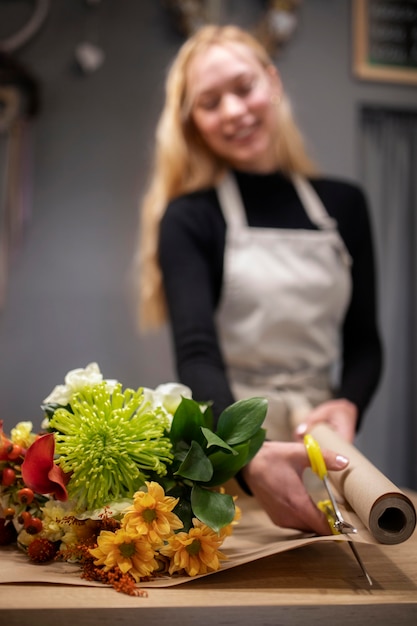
(126, 483)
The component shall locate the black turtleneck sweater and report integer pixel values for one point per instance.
(191, 250)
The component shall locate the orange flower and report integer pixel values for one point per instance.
(196, 552)
(128, 551)
(151, 514)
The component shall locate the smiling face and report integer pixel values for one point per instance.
(232, 105)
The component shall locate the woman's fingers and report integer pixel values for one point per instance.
(275, 479)
(341, 415)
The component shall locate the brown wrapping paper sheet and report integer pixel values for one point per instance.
(367, 492)
(385, 510)
(254, 537)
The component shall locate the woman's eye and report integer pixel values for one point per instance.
(245, 87)
(242, 90)
(209, 104)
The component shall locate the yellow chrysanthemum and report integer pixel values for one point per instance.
(195, 552)
(128, 551)
(151, 514)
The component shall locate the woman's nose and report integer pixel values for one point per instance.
(232, 106)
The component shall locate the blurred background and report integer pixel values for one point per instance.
(75, 149)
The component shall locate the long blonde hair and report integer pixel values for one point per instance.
(183, 163)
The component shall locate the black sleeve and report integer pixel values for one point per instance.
(191, 248)
(361, 343)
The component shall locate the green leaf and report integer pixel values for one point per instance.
(196, 465)
(208, 416)
(187, 422)
(167, 483)
(212, 508)
(226, 466)
(255, 443)
(241, 420)
(214, 440)
(184, 512)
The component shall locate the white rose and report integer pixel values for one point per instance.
(59, 395)
(79, 378)
(169, 395)
(76, 380)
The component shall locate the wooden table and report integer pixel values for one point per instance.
(315, 584)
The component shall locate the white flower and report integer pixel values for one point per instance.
(54, 516)
(167, 396)
(59, 395)
(112, 509)
(76, 380)
(24, 539)
(45, 423)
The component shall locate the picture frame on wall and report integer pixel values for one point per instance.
(385, 40)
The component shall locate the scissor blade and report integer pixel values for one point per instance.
(344, 527)
(361, 564)
(341, 524)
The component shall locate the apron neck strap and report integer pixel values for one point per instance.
(234, 211)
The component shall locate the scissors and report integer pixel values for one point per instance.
(330, 507)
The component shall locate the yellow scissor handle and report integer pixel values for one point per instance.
(326, 507)
(318, 466)
(315, 456)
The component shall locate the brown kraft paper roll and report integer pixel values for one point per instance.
(384, 509)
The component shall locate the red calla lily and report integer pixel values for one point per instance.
(39, 471)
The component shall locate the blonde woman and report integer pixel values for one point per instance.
(263, 268)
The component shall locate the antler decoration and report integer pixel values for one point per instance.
(275, 28)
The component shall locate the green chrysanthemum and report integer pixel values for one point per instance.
(111, 443)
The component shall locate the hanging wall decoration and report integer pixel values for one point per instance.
(89, 54)
(275, 27)
(19, 103)
(385, 40)
(38, 15)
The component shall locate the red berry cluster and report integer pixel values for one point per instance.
(11, 458)
(41, 550)
(22, 508)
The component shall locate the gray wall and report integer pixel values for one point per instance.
(69, 299)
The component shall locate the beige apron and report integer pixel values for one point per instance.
(284, 297)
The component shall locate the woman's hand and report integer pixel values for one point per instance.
(275, 478)
(341, 415)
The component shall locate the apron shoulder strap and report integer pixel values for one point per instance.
(235, 215)
(313, 205)
(231, 202)
(317, 212)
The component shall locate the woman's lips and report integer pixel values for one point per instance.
(243, 133)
